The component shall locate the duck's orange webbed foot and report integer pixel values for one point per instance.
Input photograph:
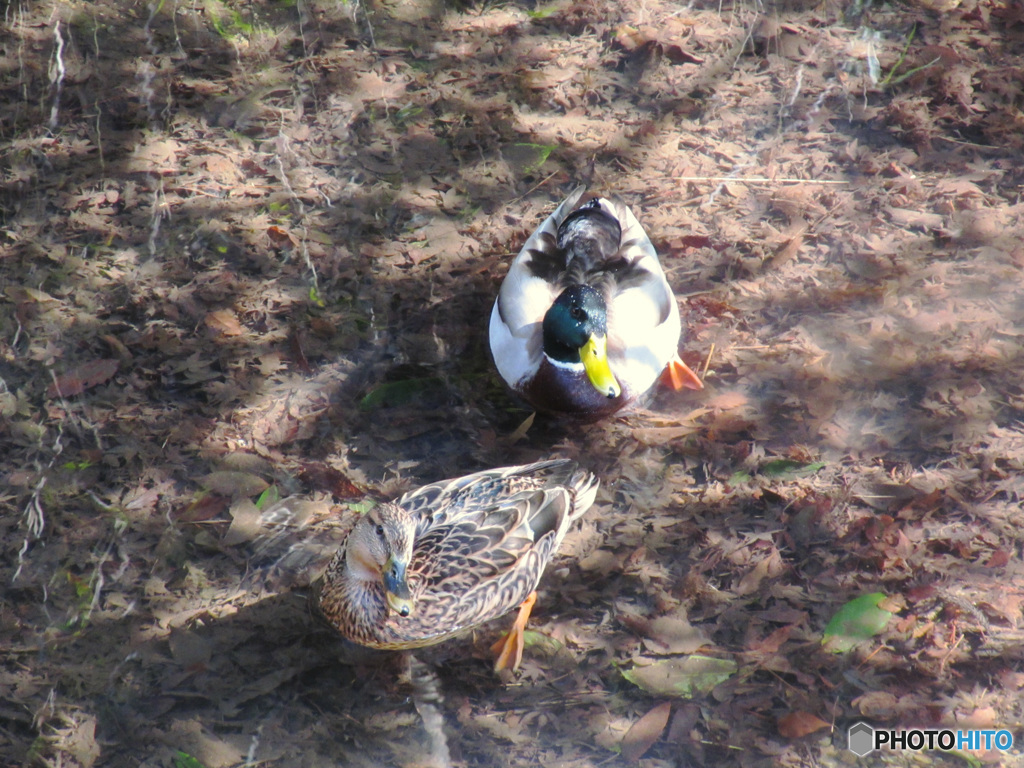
(679, 375)
(510, 646)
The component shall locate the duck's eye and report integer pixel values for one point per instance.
(380, 530)
(578, 313)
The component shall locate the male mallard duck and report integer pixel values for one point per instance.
(452, 555)
(585, 321)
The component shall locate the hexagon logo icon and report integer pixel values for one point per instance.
(861, 739)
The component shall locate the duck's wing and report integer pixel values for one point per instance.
(486, 547)
(643, 316)
(440, 503)
(637, 267)
(532, 282)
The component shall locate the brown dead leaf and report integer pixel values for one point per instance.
(208, 749)
(117, 347)
(677, 55)
(84, 377)
(768, 567)
(673, 634)
(680, 244)
(885, 496)
(892, 603)
(908, 218)
(245, 523)
(298, 354)
(188, 648)
(21, 294)
(280, 420)
(80, 743)
(630, 38)
(788, 250)
(547, 77)
(686, 716)
(938, 6)
(325, 477)
(1006, 602)
(876, 704)
(270, 363)
(983, 717)
(228, 483)
(503, 727)
(157, 156)
(522, 429)
(441, 237)
(647, 42)
(664, 435)
(221, 168)
(796, 725)
(369, 86)
(728, 401)
(600, 562)
(796, 202)
(644, 732)
(224, 322)
(207, 507)
(281, 237)
(773, 641)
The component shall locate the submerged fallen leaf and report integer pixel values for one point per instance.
(662, 435)
(539, 642)
(787, 468)
(84, 377)
(645, 732)
(224, 322)
(673, 634)
(857, 621)
(768, 567)
(727, 401)
(683, 677)
(887, 497)
(522, 429)
(282, 237)
(206, 507)
(983, 717)
(79, 742)
(245, 523)
(880, 705)
(796, 725)
(325, 477)
(22, 293)
(188, 648)
(229, 483)
(185, 760)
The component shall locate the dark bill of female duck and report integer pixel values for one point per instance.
(396, 585)
(585, 321)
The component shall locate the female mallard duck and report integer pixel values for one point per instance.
(452, 555)
(585, 321)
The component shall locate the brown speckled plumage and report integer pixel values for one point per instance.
(479, 545)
